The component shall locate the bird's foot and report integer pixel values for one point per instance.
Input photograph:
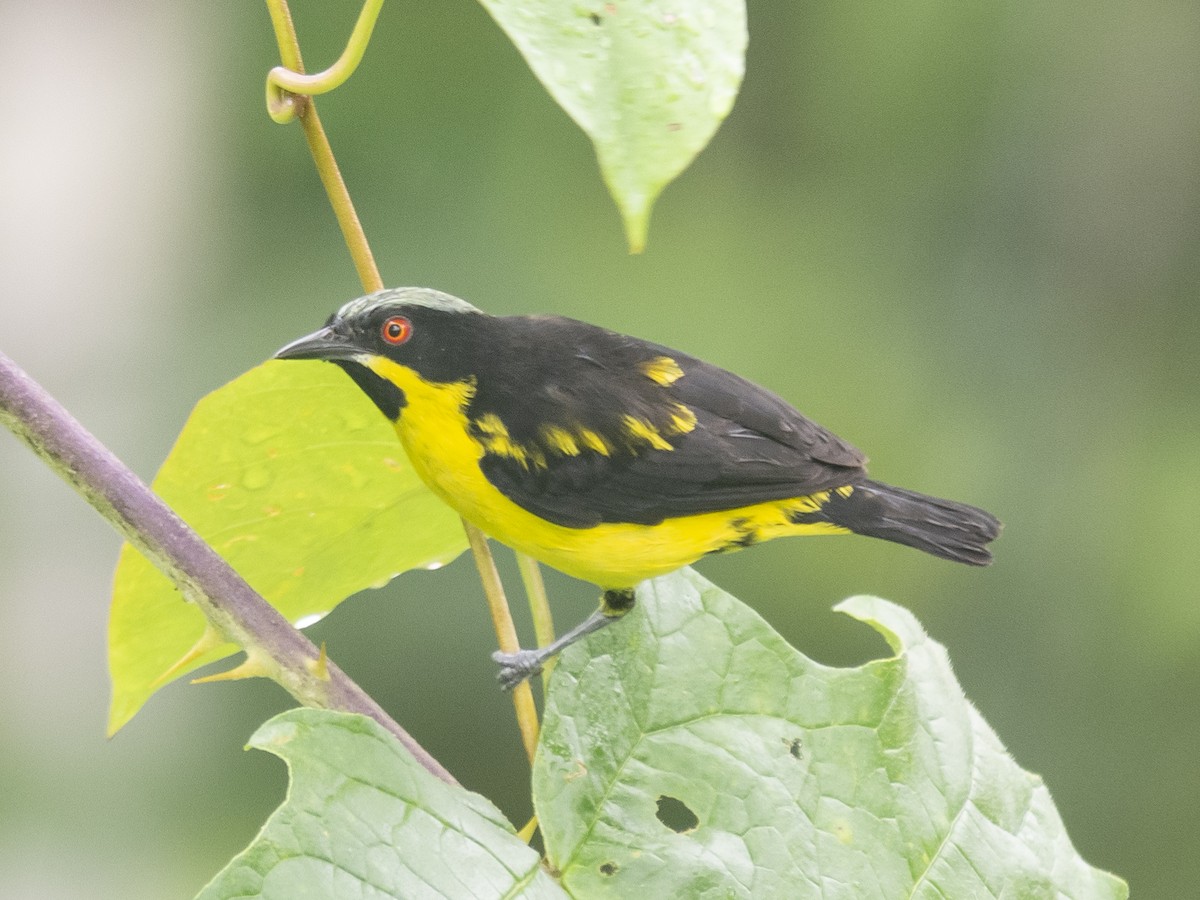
(516, 667)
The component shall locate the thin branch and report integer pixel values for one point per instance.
(234, 609)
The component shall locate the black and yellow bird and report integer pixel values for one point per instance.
(610, 458)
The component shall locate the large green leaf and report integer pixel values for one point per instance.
(690, 752)
(294, 477)
(362, 819)
(649, 82)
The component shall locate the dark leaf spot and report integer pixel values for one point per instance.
(608, 868)
(676, 815)
(795, 747)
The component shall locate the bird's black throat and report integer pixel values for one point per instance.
(389, 398)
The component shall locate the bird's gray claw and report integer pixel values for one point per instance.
(516, 667)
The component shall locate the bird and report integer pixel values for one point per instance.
(608, 457)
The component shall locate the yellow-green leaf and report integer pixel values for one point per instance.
(648, 82)
(294, 477)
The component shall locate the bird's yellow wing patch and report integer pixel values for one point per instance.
(662, 370)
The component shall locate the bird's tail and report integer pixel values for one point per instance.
(944, 528)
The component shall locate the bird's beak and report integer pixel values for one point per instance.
(323, 344)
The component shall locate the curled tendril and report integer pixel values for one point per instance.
(286, 88)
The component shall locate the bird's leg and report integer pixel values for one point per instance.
(516, 667)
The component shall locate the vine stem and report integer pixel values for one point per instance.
(322, 153)
(506, 635)
(273, 647)
(368, 273)
(539, 609)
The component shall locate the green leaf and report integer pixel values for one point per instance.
(690, 752)
(648, 82)
(294, 477)
(362, 819)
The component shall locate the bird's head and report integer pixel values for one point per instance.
(420, 329)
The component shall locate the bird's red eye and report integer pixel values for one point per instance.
(397, 330)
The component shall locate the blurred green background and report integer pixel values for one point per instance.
(963, 235)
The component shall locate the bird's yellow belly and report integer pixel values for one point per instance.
(433, 430)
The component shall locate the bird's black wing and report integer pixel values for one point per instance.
(754, 409)
(686, 438)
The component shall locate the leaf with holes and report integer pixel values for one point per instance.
(649, 83)
(294, 477)
(690, 752)
(363, 819)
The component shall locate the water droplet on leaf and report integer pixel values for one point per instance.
(310, 619)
